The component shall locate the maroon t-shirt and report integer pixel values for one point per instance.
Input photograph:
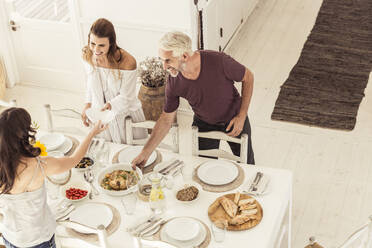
(212, 96)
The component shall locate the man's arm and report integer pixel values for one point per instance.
(247, 88)
(162, 127)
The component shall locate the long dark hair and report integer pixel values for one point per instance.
(103, 28)
(16, 134)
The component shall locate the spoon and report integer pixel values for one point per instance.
(89, 177)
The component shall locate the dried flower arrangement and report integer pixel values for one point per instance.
(151, 72)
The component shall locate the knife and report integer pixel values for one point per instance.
(152, 227)
(169, 169)
(166, 167)
(139, 228)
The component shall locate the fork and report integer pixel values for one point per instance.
(255, 184)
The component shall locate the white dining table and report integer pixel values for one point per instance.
(273, 231)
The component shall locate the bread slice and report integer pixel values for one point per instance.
(249, 212)
(247, 206)
(246, 201)
(230, 207)
(237, 197)
(240, 219)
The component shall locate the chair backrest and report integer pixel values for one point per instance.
(361, 238)
(173, 134)
(4, 104)
(219, 153)
(65, 113)
(68, 241)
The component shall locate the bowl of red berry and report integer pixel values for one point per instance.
(75, 191)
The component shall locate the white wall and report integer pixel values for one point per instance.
(139, 24)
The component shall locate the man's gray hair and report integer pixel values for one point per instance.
(177, 42)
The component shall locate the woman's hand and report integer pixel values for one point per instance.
(98, 127)
(106, 107)
(84, 118)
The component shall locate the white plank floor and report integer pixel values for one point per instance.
(331, 168)
(332, 190)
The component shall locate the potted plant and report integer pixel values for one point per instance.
(152, 92)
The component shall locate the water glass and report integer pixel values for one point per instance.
(219, 231)
(187, 172)
(129, 202)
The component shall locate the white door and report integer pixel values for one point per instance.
(45, 44)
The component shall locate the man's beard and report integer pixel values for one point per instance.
(178, 70)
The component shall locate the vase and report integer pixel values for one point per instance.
(152, 100)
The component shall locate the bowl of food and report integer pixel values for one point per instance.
(188, 193)
(85, 163)
(75, 191)
(119, 179)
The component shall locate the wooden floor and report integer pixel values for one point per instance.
(332, 169)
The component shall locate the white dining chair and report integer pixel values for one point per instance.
(11, 103)
(63, 241)
(149, 125)
(219, 153)
(361, 238)
(70, 116)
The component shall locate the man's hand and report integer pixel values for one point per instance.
(106, 107)
(237, 123)
(140, 161)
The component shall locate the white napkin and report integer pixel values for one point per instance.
(261, 186)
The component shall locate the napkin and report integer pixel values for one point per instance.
(261, 186)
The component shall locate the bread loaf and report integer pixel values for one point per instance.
(230, 207)
(246, 201)
(247, 206)
(237, 197)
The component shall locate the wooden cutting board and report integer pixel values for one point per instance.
(216, 212)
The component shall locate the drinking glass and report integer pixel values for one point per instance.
(187, 172)
(219, 231)
(129, 202)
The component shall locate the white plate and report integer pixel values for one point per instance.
(95, 115)
(52, 140)
(92, 215)
(182, 229)
(185, 244)
(65, 147)
(128, 154)
(217, 172)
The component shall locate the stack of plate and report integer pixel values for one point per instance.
(217, 172)
(56, 143)
(183, 232)
(128, 154)
(83, 215)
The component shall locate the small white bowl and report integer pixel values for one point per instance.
(96, 115)
(185, 186)
(110, 169)
(86, 168)
(75, 184)
(52, 140)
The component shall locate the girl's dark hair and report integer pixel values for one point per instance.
(16, 134)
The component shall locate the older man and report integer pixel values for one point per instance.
(206, 80)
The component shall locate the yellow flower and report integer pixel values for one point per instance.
(42, 148)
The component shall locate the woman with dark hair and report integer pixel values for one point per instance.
(27, 220)
(111, 81)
